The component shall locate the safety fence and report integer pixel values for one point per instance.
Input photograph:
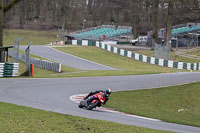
(44, 64)
(9, 69)
(161, 52)
(187, 55)
(136, 56)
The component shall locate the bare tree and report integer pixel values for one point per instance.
(155, 22)
(169, 23)
(4, 9)
(186, 11)
(1, 25)
(142, 15)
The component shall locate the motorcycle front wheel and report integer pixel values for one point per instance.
(81, 104)
(93, 105)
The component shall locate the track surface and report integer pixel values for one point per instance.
(66, 59)
(53, 95)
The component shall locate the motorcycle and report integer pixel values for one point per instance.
(97, 102)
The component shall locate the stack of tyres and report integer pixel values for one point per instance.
(11, 69)
(1, 69)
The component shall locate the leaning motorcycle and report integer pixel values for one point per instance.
(97, 102)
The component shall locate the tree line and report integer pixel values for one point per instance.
(52, 14)
(142, 15)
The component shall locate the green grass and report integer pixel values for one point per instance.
(191, 51)
(37, 37)
(37, 73)
(44, 73)
(176, 104)
(126, 65)
(19, 119)
(182, 59)
(172, 56)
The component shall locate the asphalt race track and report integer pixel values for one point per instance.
(66, 59)
(53, 95)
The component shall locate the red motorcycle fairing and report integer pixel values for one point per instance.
(97, 101)
(99, 98)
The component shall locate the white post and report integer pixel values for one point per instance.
(83, 24)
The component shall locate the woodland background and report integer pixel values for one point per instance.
(52, 14)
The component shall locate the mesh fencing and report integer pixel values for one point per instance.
(161, 52)
(15, 50)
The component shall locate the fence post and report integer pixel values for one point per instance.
(15, 51)
(28, 59)
(32, 69)
(37, 62)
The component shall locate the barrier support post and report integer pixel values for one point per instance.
(32, 69)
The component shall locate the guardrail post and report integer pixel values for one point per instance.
(15, 51)
(28, 59)
(32, 69)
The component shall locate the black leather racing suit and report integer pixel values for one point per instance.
(95, 92)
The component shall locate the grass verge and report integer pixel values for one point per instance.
(173, 56)
(20, 119)
(44, 73)
(114, 60)
(176, 104)
(37, 37)
(127, 66)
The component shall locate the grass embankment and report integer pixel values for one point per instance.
(173, 56)
(177, 104)
(27, 36)
(126, 65)
(20, 119)
(191, 51)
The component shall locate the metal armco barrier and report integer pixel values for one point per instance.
(56, 67)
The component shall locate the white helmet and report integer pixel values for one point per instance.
(108, 91)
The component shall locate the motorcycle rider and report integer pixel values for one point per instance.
(91, 96)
